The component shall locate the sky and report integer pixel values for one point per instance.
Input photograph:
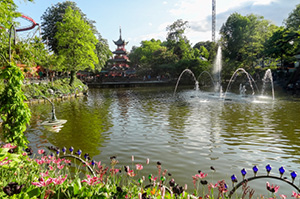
(145, 20)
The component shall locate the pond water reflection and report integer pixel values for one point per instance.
(190, 132)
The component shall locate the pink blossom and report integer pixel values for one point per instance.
(9, 146)
(42, 182)
(139, 167)
(272, 188)
(5, 161)
(42, 151)
(295, 195)
(60, 166)
(24, 154)
(59, 180)
(201, 175)
(282, 196)
(147, 161)
(92, 181)
(131, 173)
(211, 186)
(45, 174)
(132, 158)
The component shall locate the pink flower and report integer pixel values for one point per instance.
(92, 181)
(131, 173)
(295, 195)
(5, 161)
(201, 175)
(45, 174)
(282, 196)
(132, 158)
(60, 166)
(139, 167)
(42, 182)
(211, 186)
(59, 180)
(272, 188)
(147, 161)
(9, 146)
(24, 154)
(41, 151)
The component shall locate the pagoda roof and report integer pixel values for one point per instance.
(119, 52)
(120, 42)
(119, 60)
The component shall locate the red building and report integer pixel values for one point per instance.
(120, 60)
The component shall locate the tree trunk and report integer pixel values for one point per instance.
(73, 73)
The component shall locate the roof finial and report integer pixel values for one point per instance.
(120, 33)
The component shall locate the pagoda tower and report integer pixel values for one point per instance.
(120, 60)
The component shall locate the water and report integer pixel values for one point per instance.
(189, 132)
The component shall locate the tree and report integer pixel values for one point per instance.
(55, 14)
(293, 20)
(177, 41)
(103, 52)
(76, 43)
(242, 40)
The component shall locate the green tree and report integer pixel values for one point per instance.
(103, 52)
(293, 20)
(52, 16)
(76, 43)
(177, 41)
(242, 39)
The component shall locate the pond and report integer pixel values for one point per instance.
(190, 131)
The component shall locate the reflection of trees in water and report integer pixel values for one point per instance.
(85, 126)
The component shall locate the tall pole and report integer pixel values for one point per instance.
(213, 20)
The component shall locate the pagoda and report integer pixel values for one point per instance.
(120, 60)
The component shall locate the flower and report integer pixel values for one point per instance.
(139, 167)
(201, 175)
(272, 188)
(91, 180)
(42, 151)
(42, 182)
(295, 195)
(131, 173)
(5, 161)
(147, 161)
(282, 196)
(9, 146)
(59, 180)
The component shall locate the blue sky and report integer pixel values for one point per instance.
(143, 20)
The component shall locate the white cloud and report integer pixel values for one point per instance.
(165, 2)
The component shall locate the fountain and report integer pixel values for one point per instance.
(268, 75)
(241, 87)
(217, 67)
(190, 72)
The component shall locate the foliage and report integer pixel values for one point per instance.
(76, 43)
(14, 111)
(60, 88)
(52, 16)
(242, 39)
(293, 20)
(57, 174)
(103, 53)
